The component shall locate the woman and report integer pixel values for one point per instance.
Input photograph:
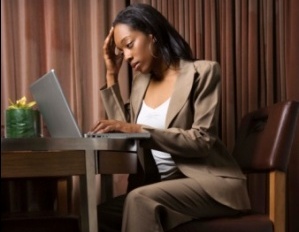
(176, 100)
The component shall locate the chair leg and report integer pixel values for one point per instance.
(277, 200)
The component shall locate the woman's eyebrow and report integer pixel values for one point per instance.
(123, 40)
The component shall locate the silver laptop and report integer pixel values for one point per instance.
(56, 112)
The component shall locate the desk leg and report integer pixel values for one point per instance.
(88, 201)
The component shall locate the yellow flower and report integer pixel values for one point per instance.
(21, 104)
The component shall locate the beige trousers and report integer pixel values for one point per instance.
(161, 206)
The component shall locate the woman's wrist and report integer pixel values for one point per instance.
(111, 79)
(133, 128)
(138, 128)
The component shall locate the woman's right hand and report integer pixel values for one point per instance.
(112, 60)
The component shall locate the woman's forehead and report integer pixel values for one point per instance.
(123, 31)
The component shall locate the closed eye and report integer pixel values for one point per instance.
(130, 45)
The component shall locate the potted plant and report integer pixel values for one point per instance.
(22, 120)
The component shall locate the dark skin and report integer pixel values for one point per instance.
(138, 50)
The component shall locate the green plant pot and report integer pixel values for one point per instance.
(22, 123)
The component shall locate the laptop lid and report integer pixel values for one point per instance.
(54, 107)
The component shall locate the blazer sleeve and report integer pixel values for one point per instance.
(113, 103)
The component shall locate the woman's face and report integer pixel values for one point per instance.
(136, 47)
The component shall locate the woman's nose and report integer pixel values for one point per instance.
(127, 55)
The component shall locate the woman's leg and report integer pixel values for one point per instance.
(164, 205)
(110, 214)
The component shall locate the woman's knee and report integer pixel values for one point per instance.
(140, 194)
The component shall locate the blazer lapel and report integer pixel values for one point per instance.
(179, 97)
(181, 91)
(138, 91)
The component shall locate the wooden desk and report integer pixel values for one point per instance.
(49, 157)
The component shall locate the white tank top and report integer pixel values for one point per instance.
(156, 118)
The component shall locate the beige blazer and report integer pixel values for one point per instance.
(191, 129)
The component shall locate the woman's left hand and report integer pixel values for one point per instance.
(104, 126)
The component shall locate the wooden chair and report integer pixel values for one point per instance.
(262, 149)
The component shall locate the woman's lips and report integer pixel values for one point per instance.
(136, 66)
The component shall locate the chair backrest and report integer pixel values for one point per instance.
(263, 147)
(265, 138)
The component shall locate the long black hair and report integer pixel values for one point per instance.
(171, 46)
